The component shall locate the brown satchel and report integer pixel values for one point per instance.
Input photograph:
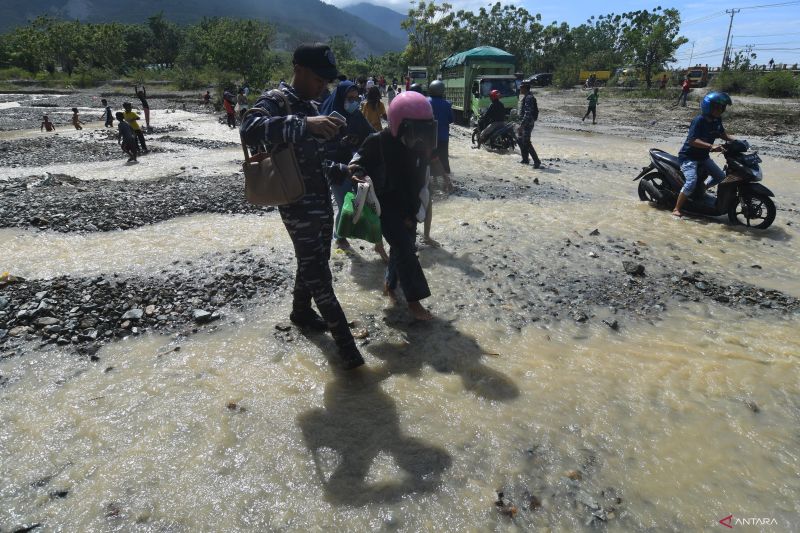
(272, 178)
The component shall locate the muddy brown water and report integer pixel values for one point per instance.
(669, 424)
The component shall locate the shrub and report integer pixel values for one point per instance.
(15, 73)
(777, 84)
(187, 78)
(734, 81)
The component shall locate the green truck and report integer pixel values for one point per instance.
(471, 75)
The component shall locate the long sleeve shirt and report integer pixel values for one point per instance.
(528, 111)
(270, 126)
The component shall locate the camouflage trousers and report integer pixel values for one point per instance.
(310, 226)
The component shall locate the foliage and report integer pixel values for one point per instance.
(734, 81)
(650, 39)
(342, 47)
(778, 84)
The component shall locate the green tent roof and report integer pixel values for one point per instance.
(480, 52)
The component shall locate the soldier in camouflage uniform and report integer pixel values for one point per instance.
(528, 114)
(309, 221)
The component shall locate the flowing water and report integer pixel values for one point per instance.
(669, 424)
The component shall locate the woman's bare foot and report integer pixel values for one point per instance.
(448, 184)
(419, 312)
(433, 243)
(677, 214)
(381, 251)
(389, 293)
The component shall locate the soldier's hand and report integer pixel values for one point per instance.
(324, 126)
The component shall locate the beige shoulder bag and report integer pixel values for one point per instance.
(273, 178)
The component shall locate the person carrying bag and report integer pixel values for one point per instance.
(293, 133)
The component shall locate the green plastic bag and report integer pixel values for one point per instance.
(368, 227)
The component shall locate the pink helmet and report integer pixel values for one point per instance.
(408, 105)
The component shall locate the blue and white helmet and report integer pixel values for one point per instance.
(714, 97)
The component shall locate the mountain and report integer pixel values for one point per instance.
(382, 17)
(295, 19)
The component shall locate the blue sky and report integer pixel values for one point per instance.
(773, 31)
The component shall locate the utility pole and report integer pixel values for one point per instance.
(728, 38)
(691, 55)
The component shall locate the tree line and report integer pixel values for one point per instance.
(645, 39)
(46, 44)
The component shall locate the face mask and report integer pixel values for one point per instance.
(351, 107)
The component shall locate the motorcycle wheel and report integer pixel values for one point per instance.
(753, 210)
(644, 194)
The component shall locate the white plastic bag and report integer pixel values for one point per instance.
(365, 194)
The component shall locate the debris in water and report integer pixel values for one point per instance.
(595, 232)
(505, 506)
(7, 278)
(573, 474)
(753, 406)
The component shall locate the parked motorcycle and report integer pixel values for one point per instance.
(503, 138)
(739, 195)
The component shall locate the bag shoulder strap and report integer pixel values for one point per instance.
(287, 106)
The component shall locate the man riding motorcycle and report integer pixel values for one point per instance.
(695, 153)
(492, 119)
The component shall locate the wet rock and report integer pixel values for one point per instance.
(574, 475)
(753, 406)
(57, 494)
(19, 331)
(47, 321)
(283, 326)
(133, 314)
(579, 316)
(505, 506)
(612, 324)
(633, 269)
(595, 232)
(701, 285)
(3, 303)
(201, 316)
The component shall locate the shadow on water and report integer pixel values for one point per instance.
(358, 423)
(437, 254)
(440, 345)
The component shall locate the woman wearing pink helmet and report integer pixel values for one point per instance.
(397, 160)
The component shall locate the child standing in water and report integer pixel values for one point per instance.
(127, 139)
(107, 115)
(76, 121)
(46, 124)
(142, 96)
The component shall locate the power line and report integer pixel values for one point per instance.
(769, 35)
(771, 5)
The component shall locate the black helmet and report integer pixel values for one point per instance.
(436, 88)
(416, 87)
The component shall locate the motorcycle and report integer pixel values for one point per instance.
(739, 195)
(502, 138)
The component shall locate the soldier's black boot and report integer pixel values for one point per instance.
(308, 319)
(350, 357)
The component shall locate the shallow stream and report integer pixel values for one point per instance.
(671, 423)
